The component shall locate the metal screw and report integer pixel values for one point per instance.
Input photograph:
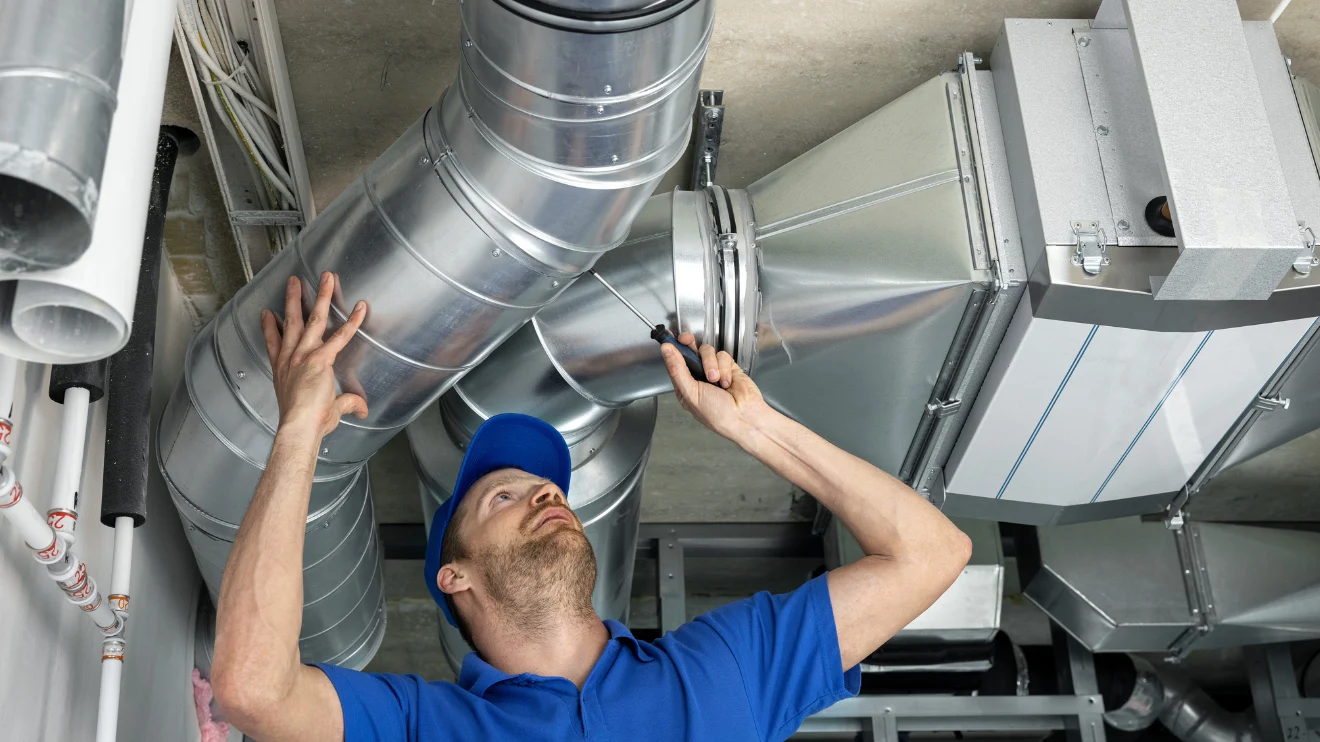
(954, 94)
(671, 546)
(1083, 40)
(976, 60)
(325, 451)
(1102, 130)
(1123, 225)
(554, 284)
(967, 179)
(671, 575)
(608, 90)
(600, 109)
(713, 113)
(614, 158)
(467, 43)
(495, 253)
(425, 160)
(241, 374)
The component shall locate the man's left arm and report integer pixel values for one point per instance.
(912, 552)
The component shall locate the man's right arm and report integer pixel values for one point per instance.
(912, 552)
(258, 675)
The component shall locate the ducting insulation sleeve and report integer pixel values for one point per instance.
(61, 63)
(82, 310)
(532, 165)
(608, 447)
(127, 437)
(90, 376)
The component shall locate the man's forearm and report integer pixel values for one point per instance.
(883, 514)
(260, 611)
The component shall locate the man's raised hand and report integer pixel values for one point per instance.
(303, 362)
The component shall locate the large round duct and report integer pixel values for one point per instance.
(531, 166)
(57, 96)
(609, 449)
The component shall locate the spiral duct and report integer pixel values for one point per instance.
(531, 166)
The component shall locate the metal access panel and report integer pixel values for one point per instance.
(1085, 147)
(1084, 422)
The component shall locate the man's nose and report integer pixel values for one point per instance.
(548, 493)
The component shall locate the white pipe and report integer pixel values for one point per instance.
(1278, 10)
(63, 512)
(8, 379)
(31, 526)
(121, 571)
(84, 312)
(107, 708)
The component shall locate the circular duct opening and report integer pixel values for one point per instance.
(38, 228)
(60, 321)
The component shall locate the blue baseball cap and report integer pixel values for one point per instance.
(508, 441)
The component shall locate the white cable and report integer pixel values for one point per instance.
(1278, 10)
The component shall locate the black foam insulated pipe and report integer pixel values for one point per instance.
(128, 413)
(90, 376)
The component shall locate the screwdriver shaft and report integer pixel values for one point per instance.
(619, 296)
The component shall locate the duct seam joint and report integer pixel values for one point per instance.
(1200, 601)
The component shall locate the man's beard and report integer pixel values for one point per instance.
(542, 577)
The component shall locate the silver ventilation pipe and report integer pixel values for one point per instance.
(1180, 705)
(868, 252)
(59, 70)
(531, 166)
(609, 449)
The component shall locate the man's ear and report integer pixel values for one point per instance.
(452, 579)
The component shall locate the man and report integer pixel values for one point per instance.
(508, 563)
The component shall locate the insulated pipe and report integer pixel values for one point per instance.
(531, 166)
(61, 62)
(63, 513)
(127, 441)
(83, 311)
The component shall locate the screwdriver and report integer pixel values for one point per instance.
(660, 333)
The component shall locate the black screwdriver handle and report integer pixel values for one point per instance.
(695, 367)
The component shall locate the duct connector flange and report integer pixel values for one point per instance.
(690, 262)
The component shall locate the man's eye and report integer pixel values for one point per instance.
(504, 496)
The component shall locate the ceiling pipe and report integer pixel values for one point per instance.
(61, 63)
(531, 166)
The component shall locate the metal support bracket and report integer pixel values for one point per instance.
(670, 577)
(1090, 252)
(1271, 403)
(706, 130)
(944, 408)
(1200, 600)
(1307, 259)
(266, 218)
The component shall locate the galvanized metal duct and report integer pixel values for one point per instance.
(531, 166)
(1169, 696)
(59, 69)
(1135, 586)
(609, 448)
(868, 252)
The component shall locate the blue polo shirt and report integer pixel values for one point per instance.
(750, 670)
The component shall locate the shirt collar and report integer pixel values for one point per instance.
(478, 675)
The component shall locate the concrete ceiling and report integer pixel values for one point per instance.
(794, 72)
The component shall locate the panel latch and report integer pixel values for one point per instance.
(1090, 252)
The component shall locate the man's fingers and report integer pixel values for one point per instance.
(340, 338)
(271, 332)
(350, 404)
(684, 385)
(710, 363)
(726, 365)
(315, 330)
(293, 317)
(688, 339)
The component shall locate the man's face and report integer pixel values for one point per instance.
(525, 547)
